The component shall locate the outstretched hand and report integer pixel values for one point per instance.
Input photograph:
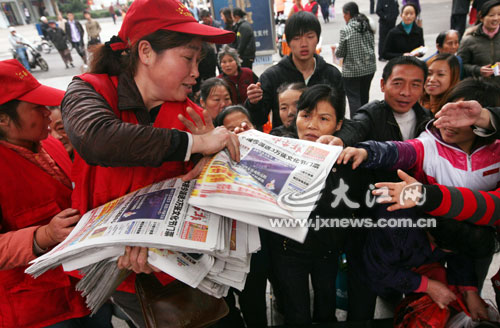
(330, 140)
(356, 155)
(458, 114)
(391, 192)
(199, 125)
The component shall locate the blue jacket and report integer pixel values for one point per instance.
(390, 254)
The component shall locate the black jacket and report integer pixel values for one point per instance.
(58, 38)
(286, 72)
(330, 241)
(398, 41)
(78, 27)
(245, 40)
(375, 121)
(387, 9)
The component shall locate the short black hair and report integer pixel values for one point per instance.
(351, 8)
(219, 119)
(208, 84)
(296, 86)
(404, 60)
(486, 7)
(301, 23)
(239, 12)
(205, 13)
(464, 238)
(414, 5)
(483, 90)
(322, 92)
(10, 110)
(442, 36)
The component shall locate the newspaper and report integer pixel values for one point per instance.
(200, 232)
(276, 178)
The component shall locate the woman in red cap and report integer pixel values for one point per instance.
(35, 201)
(125, 117)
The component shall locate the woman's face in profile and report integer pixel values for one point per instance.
(172, 73)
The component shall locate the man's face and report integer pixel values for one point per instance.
(403, 87)
(207, 20)
(303, 46)
(450, 44)
(71, 17)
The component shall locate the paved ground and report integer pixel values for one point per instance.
(435, 15)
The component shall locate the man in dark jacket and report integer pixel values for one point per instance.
(399, 116)
(58, 38)
(458, 19)
(245, 39)
(75, 34)
(302, 65)
(387, 11)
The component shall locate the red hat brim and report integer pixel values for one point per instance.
(207, 33)
(43, 95)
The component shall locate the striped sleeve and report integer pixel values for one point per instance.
(478, 207)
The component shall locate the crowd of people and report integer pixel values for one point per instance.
(151, 106)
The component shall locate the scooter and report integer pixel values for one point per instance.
(43, 45)
(34, 57)
(280, 31)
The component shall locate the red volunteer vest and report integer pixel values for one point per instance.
(29, 196)
(97, 185)
(309, 7)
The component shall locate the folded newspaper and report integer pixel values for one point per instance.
(200, 232)
(276, 178)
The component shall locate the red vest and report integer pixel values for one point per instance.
(309, 7)
(96, 185)
(29, 196)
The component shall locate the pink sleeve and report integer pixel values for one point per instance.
(16, 248)
(423, 285)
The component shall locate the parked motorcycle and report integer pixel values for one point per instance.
(280, 31)
(34, 57)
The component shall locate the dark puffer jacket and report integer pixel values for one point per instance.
(477, 49)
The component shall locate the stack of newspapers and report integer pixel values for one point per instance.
(201, 232)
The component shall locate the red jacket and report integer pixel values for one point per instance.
(30, 197)
(239, 84)
(97, 185)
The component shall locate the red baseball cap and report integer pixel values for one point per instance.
(147, 16)
(18, 83)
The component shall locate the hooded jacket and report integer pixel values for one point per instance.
(286, 72)
(357, 47)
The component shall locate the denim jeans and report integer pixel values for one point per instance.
(21, 52)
